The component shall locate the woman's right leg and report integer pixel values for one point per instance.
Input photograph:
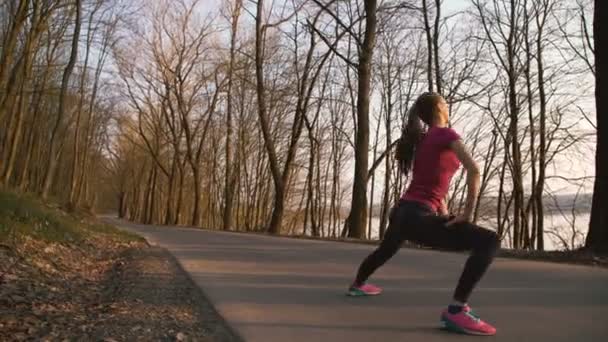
(388, 248)
(483, 243)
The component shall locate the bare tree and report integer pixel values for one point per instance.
(305, 84)
(597, 238)
(231, 176)
(55, 146)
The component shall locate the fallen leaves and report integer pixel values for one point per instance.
(100, 291)
(48, 291)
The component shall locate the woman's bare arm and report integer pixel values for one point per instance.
(473, 177)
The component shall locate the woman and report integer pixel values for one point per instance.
(422, 216)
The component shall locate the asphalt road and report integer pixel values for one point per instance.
(279, 289)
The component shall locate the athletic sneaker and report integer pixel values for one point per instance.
(466, 322)
(364, 290)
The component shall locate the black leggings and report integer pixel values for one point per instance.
(417, 223)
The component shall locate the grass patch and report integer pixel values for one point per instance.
(23, 215)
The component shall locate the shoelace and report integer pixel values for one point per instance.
(473, 316)
(469, 310)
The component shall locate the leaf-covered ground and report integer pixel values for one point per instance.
(65, 277)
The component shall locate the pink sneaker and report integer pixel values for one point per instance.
(364, 290)
(466, 322)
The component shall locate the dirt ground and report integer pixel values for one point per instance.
(125, 292)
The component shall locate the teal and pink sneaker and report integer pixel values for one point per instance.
(363, 290)
(466, 322)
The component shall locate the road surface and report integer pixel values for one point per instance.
(289, 290)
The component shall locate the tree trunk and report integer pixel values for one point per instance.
(24, 67)
(514, 133)
(277, 215)
(230, 179)
(14, 137)
(169, 217)
(488, 160)
(386, 202)
(439, 83)
(122, 202)
(597, 239)
(54, 150)
(429, 45)
(542, 163)
(310, 207)
(196, 213)
(532, 202)
(358, 212)
(373, 181)
(151, 197)
(180, 195)
(10, 40)
(74, 174)
(148, 197)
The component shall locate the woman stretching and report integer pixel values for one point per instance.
(422, 216)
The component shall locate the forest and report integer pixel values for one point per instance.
(281, 116)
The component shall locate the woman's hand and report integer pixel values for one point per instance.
(443, 209)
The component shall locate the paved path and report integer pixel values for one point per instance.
(277, 289)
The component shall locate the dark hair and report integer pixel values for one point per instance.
(422, 110)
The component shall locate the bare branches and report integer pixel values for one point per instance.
(332, 46)
(347, 29)
(580, 43)
(190, 127)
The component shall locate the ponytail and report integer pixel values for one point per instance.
(410, 136)
(422, 111)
